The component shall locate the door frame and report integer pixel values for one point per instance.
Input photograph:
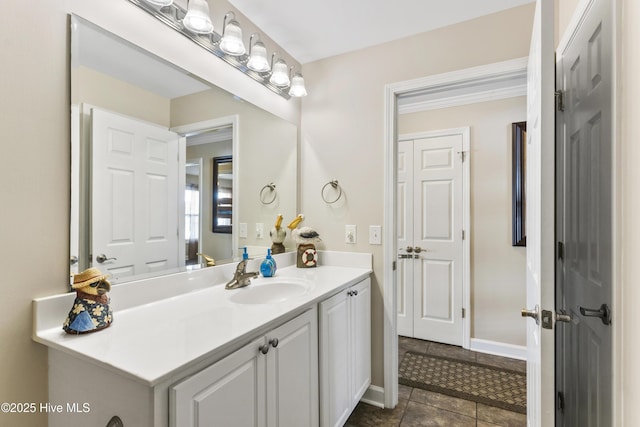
(511, 73)
(465, 132)
(207, 125)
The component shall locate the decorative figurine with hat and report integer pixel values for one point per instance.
(91, 311)
(306, 238)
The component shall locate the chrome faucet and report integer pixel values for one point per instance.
(241, 278)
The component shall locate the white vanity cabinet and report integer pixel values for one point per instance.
(272, 382)
(345, 352)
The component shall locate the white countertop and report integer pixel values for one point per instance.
(151, 342)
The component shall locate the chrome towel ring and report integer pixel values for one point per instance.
(272, 189)
(336, 186)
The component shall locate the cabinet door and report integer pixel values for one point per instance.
(292, 373)
(335, 406)
(231, 392)
(360, 304)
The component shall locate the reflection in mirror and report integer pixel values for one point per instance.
(222, 194)
(144, 136)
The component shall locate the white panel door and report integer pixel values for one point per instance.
(437, 238)
(135, 194)
(361, 338)
(231, 392)
(405, 263)
(292, 373)
(540, 172)
(430, 237)
(335, 364)
(585, 356)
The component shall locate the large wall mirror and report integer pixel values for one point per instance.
(145, 134)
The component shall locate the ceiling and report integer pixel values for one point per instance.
(311, 29)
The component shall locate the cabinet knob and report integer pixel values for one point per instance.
(264, 349)
(274, 342)
(354, 293)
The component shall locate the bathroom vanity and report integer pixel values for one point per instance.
(293, 350)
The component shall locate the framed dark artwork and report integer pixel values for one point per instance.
(519, 196)
(222, 194)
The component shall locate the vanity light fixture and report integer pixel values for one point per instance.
(161, 3)
(297, 89)
(279, 76)
(195, 24)
(197, 19)
(231, 42)
(258, 60)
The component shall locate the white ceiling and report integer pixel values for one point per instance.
(311, 29)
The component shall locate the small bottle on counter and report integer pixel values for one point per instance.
(268, 266)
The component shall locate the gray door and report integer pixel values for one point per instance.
(584, 127)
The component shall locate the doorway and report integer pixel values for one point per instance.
(433, 253)
(431, 93)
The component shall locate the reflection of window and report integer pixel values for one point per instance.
(192, 222)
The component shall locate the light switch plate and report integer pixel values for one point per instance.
(350, 234)
(243, 230)
(375, 234)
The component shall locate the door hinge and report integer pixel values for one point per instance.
(462, 234)
(559, 100)
(463, 155)
(561, 251)
(463, 312)
(561, 401)
(393, 265)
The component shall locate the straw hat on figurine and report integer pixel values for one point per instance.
(87, 277)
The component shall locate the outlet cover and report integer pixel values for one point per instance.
(375, 234)
(259, 230)
(243, 230)
(350, 234)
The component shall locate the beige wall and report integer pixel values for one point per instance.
(628, 297)
(342, 126)
(268, 148)
(497, 268)
(100, 90)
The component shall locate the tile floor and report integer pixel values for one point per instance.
(417, 407)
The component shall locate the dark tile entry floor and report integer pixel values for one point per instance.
(417, 407)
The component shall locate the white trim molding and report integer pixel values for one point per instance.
(491, 82)
(374, 396)
(475, 76)
(499, 349)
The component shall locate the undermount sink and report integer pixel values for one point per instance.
(270, 290)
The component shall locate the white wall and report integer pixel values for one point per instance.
(342, 126)
(497, 268)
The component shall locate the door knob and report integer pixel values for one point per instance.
(604, 313)
(103, 258)
(73, 260)
(417, 249)
(409, 249)
(534, 314)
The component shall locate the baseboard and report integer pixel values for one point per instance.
(374, 396)
(498, 348)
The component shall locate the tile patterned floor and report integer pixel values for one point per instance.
(417, 407)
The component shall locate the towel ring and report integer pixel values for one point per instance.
(272, 188)
(335, 186)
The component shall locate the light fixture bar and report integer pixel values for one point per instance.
(172, 16)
